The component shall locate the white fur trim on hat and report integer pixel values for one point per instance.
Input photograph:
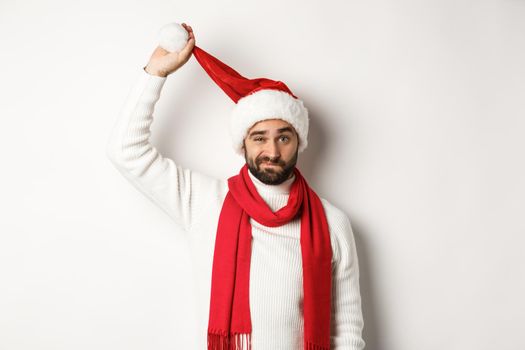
(268, 104)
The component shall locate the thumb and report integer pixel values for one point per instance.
(188, 48)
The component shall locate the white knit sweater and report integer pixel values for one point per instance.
(194, 200)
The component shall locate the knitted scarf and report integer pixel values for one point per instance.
(229, 326)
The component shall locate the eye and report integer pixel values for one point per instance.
(284, 138)
(258, 139)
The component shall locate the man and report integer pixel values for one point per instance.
(276, 265)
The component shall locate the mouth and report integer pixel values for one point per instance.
(270, 164)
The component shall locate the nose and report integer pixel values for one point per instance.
(273, 150)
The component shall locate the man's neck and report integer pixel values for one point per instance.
(282, 188)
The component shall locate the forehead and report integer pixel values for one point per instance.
(270, 124)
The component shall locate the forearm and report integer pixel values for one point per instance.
(180, 192)
(129, 139)
(346, 306)
(348, 318)
(130, 150)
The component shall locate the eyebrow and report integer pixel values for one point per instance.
(264, 132)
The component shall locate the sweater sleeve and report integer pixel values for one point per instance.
(180, 192)
(347, 319)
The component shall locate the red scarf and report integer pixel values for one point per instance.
(229, 326)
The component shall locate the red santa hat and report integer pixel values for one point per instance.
(255, 99)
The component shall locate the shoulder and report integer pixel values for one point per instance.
(334, 215)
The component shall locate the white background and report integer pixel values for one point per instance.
(418, 118)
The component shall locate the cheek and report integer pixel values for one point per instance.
(291, 148)
(251, 152)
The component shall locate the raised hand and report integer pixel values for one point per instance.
(162, 62)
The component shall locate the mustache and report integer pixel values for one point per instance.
(276, 161)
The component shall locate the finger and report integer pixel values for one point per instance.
(188, 30)
(186, 51)
(186, 27)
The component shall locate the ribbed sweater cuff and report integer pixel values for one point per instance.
(151, 81)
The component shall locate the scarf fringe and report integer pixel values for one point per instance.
(239, 341)
(242, 341)
(311, 346)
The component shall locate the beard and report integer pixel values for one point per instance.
(271, 175)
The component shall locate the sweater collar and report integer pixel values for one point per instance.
(282, 188)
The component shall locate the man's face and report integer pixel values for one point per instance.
(271, 150)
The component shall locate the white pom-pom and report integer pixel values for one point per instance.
(173, 37)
